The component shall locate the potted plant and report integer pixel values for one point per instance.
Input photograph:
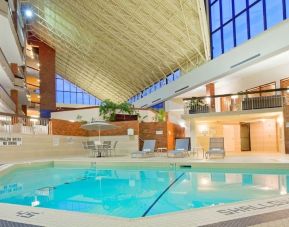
(197, 105)
(108, 109)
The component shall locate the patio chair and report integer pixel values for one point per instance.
(147, 150)
(105, 148)
(94, 149)
(112, 148)
(216, 147)
(181, 149)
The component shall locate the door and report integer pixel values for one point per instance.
(245, 136)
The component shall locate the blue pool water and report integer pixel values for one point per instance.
(135, 193)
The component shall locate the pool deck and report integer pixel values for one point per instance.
(264, 212)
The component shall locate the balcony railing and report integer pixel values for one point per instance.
(10, 123)
(237, 102)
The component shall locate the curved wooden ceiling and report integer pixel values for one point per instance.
(116, 48)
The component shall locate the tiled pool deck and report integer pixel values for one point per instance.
(265, 212)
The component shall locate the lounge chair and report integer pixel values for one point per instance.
(181, 150)
(216, 147)
(147, 150)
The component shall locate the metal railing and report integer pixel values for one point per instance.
(237, 102)
(10, 123)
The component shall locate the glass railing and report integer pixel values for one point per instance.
(237, 102)
(10, 123)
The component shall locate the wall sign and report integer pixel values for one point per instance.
(10, 141)
(159, 132)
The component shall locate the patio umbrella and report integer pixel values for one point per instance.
(99, 125)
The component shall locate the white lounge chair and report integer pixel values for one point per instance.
(216, 147)
(181, 149)
(147, 150)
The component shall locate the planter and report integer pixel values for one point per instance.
(125, 117)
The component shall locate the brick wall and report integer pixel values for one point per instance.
(62, 127)
(167, 139)
(67, 128)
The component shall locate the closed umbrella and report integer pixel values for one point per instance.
(99, 125)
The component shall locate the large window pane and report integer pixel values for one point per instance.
(241, 29)
(66, 98)
(72, 88)
(59, 84)
(177, 74)
(227, 10)
(79, 98)
(256, 19)
(287, 8)
(217, 44)
(66, 85)
(274, 12)
(85, 98)
(228, 37)
(215, 15)
(240, 5)
(59, 97)
(73, 98)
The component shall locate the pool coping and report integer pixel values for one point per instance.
(194, 217)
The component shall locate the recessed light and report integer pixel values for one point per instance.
(28, 13)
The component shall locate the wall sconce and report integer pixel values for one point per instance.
(204, 130)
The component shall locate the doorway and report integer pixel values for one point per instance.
(245, 136)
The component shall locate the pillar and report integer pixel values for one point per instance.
(210, 91)
(24, 109)
(47, 78)
(14, 97)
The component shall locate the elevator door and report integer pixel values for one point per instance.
(245, 137)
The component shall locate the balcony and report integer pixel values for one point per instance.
(240, 102)
(6, 104)
(10, 123)
(12, 37)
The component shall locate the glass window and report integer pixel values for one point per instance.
(73, 98)
(66, 86)
(274, 12)
(170, 78)
(79, 98)
(256, 19)
(252, 1)
(215, 16)
(163, 82)
(59, 84)
(66, 97)
(228, 37)
(241, 29)
(217, 44)
(287, 8)
(240, 5)
(72, 88)
(248, 18)
(177, 74)
(59, 97)
(85, 98)
(227, 10)
(69, 93)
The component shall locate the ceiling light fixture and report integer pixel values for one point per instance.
(28, 13)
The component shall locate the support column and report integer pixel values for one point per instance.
(210, 91)
(47, 78)
(24, 109)
(14, 97)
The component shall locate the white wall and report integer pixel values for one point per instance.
(271, 42)
(39, 147)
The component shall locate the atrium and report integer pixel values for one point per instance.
(144, 113)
